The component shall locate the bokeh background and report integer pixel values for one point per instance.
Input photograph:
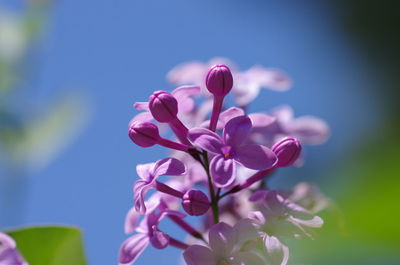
(71, 70)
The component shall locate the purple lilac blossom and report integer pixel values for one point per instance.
(242, 224)
(230, 150)
(309, 130)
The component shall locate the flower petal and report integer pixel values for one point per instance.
(237, 130)
(229, 114)
(143, 171)
(159, 240)
(222, 239)
(255, 157)
(141, 105)
(143, 116)
(206, 140)
(309, 130)
(168, 166)
(222, 171)
(199, 255)
(245, 230)
(183, 95)
(261, 119)
(139, 192)
(270, 78)
(276, 252)
(132, 248)
(6, 241)
(131, 220)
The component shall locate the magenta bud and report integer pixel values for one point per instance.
(195, 202)
(287, 150)
(219, 80)
(163, 106)
(144, 133)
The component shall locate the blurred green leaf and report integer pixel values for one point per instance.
(53, 245)
(367, 192)
(43, 136)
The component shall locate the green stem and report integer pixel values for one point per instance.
(214, 199)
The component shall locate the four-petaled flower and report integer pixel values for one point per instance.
(231, 149)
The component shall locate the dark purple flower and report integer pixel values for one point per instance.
(230, 150)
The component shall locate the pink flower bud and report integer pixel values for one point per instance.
(219, 80)
(287, 150)
(163, 106)
(144, 133)
(195, 202)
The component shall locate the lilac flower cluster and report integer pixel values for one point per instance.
(9, 255)
(219, 169)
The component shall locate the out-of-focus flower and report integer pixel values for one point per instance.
(225, 244)
(9, 255)
(149, 174)
(310, 197)
(148, 233)
(276, 253)
(231, 149)
(280, 217)
(308, 130)
(247, 84)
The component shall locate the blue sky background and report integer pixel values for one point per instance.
(118, 52)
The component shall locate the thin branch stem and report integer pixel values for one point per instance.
(214, 199)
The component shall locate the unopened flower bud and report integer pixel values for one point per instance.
(219, 80)
(144, 133)
(195, 202)
(287, 150)
(163, 106)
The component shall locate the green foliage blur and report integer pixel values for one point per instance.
(50, 245)
(30, 136)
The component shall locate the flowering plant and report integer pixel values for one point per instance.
(219, 169)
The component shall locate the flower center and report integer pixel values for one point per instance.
(227, 152)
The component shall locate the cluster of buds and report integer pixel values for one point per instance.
(218, 169)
